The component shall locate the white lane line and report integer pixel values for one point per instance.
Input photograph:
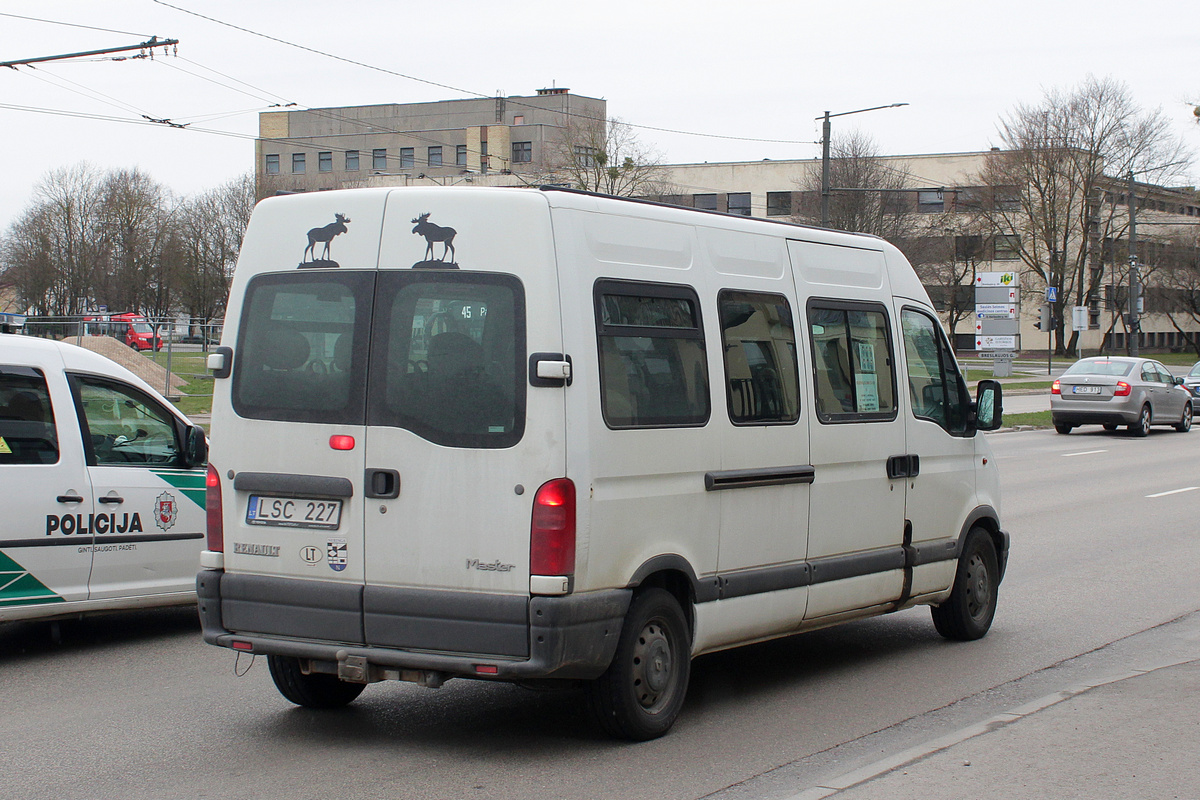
(1084, 453)
(1175, 491)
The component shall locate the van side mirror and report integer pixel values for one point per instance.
(195, 447)
(989, 405)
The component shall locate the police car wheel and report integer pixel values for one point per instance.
(641, 693)
(315, 690)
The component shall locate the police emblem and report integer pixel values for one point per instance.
(335, 554)
(165, 511)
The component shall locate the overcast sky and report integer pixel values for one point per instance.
(754, 70)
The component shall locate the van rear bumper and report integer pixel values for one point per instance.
(573, 636)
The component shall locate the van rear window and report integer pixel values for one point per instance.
(302, 347)
(448, 357)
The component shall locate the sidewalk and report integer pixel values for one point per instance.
(1132, 736)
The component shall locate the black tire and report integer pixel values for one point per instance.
(316, 690)
(1142, 426)
(1063, 428)
(641, 693)
(1185, 422)
(967, 614)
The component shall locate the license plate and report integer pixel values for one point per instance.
(293, 512)
(1085, 390)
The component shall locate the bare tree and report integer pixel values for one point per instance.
(208, 235)
(1051, 188)
(137, 215)
(605, 157)
(867, 193)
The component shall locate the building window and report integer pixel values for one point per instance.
(1007, 247)
(518, 120)
(522, 152)
(272, 164)
(483, 158)
(298, 163)
(351, 160)
(779, 204)
(325, 162)
(708, 202)
(379, 158)
(435, 157)
(408, 158)
(460, 155)
(930, 202)
(585, 156)
(739, 203)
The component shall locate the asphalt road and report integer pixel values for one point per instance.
(134, 706)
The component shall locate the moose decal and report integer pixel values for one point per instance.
(435, 233)
(323, 234)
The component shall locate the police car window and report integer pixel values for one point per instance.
(762, 384)
(450, 349)
(653, 370)
(27, 432)
(852, 362)
(301, 352)
(126, 428)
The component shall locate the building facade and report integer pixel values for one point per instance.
(495, 141)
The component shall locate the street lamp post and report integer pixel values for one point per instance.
(825, 154)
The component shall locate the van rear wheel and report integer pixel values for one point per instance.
(967, 614)
(641, 693)
(314, 690)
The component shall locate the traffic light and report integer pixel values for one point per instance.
(1044, 320)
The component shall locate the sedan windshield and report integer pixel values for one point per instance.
(1100, 367)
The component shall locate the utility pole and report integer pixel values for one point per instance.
(825, 155)
(1134, 283)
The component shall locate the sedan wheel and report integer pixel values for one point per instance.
(1142, 426)
(1185, 423)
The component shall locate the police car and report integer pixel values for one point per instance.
(101, 486)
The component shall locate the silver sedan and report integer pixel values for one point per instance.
(1112, 391)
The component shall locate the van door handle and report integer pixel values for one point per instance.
(905, 466)
(381, 483)
(111, 500)
(69, 498)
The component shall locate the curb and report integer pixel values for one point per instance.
(912, 755)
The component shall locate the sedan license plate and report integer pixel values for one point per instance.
(294, 512)
(1085, 390)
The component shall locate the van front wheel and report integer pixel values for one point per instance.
(314, 690)
(641, 693)
(967, 614)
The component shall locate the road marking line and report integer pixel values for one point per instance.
(1175, 491)
(1084, 453)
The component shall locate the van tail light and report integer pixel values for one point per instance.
(1123, 389)
(1055, 388)
(215, 540)
(552, 533)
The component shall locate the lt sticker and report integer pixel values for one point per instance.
(335, 554)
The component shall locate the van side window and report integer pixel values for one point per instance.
(448, 357)
(762, 382)
(27, 432)
(852, 361)
(301, 351)
(935, 387)
(125, 427)
(653, 371)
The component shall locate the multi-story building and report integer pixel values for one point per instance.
(957, 226)
(495, 141)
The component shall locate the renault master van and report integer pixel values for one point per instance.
(523, 435)
(101, 486)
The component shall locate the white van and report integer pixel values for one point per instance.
(517, 435)
(101, 486)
